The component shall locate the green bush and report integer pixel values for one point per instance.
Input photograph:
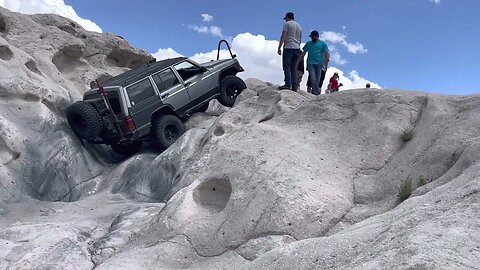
(405, 190)
(407, 135)
(422, 181)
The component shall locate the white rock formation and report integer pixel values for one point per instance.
(283, 180)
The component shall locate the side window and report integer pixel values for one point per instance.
(188, 70)
(140, 91)
(165, 80)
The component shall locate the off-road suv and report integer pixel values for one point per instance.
(150, 102)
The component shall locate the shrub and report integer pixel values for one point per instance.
(422, 181)
(405, 190)
(407, 135)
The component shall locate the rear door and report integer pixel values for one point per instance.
(172, 92)
(143, 99)
(197, 80)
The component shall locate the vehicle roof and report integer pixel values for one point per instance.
(140, 72)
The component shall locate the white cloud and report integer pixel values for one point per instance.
(207, 17)
(258, 56)
(335, 56)
(216, 31)
(437, 2)
(49, 6)
(339, 38)
(212, 30)
(199, 29)
(166, 53)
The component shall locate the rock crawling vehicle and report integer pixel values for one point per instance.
(151, 102)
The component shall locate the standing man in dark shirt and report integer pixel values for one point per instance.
(290, 40)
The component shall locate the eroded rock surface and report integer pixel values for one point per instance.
(46, 63)
(282, 180)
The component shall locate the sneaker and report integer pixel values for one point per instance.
(294, 89)
(284, 87)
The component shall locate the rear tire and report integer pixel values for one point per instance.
(84, 120)
(230, 88)
(127, 149)
(166, 130)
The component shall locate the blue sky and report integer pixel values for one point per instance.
(409, 44)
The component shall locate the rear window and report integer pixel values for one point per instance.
(140, 91)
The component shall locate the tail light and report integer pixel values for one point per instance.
(129, 123)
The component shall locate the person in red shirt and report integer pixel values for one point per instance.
(333, 84)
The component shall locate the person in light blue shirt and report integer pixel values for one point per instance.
(318, 58)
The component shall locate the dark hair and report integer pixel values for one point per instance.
(290, 15)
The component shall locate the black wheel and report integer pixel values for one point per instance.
(84, 120)
(230, 88)
(127, 149)
(166, 130)
(203, 108)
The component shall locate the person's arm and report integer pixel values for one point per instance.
(283, 38)
(281, 42)
(301, 57)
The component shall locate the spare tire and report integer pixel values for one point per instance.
(84, 120)
(230, 88)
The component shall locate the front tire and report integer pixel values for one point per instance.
(84, 120)
(127, 149)
(230, 88)
(166, 130)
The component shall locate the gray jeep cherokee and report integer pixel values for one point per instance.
(150, 102)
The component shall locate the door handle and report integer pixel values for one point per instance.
(188, 84)
(165, 95)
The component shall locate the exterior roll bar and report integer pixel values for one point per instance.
(229, 50)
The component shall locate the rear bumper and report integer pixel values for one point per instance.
(127, 137)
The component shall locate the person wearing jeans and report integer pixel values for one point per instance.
(290, 40)
(289, 59)
(322, 78)
(314, 73)
(318, 58)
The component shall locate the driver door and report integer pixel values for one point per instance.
(197, 80)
